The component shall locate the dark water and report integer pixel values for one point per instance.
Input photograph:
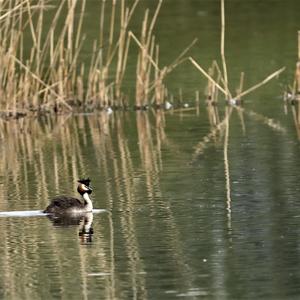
(184, 218)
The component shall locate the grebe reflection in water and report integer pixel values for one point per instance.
(84, 221)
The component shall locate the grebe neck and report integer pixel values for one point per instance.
(88, 205)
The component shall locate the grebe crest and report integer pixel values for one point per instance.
(64, 205)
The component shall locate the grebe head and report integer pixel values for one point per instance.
(84, 186)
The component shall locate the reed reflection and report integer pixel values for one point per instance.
(296, 119)
(126, 166)
(40, 159)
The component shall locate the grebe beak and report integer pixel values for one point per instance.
(89, 189)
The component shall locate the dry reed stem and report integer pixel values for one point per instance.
(117, 45)
(159, 86)
(267, 79)
(145, 59)
(153, 21)
(49, 40)
(50, 73)
(299, 45)
(42, 82)
(238, 96)
(221, 77)
(122, 45)
(296, 120)
(102, 17)
(80, 22)
(241, 85)
(225, 80)
(111, 28)
(223, 49)
(32, 30)
(142, 47)
(209, 90)
(207, 75)
(296, 88)
(11, 10)
(180, 58)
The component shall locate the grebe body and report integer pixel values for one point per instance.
(64, 205)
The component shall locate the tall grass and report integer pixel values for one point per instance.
(42, 69)
(223, 85)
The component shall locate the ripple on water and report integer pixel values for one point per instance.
(193, 292)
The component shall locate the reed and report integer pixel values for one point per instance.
(49, 75)
(123, 45)
(149, 75)
(211, 92)
(296, 119)
(292, 93)
(223, 75)
(222, 50)
(299, 45)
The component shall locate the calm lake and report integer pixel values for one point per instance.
(192, 211)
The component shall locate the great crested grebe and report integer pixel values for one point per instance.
(63, 205)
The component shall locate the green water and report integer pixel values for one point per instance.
(181, 221)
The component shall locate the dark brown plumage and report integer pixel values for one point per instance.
(62, 205)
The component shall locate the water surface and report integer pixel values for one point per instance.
(184, 220)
